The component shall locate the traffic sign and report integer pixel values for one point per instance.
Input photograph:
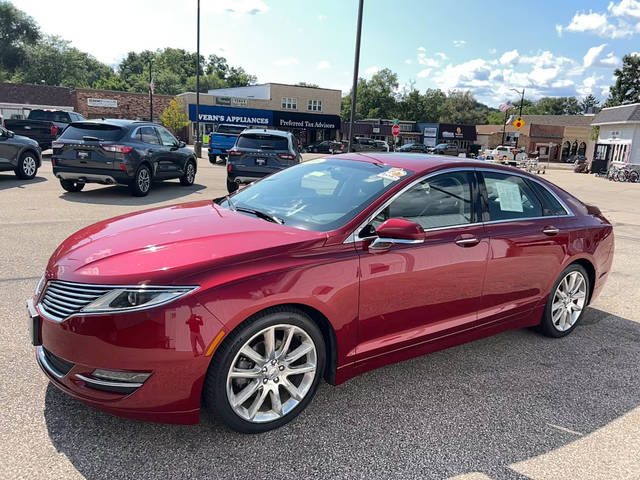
(396, 121)
(518, 123)
(395, 130)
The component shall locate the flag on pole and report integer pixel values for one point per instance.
(151, 86)
(505, 106)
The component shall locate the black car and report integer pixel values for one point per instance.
(326, 146)
(43, 126)
(258, 153)
(18, 154)
(122, 152)
(414, 147)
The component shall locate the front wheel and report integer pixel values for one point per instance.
(27, 166)
(566, 303)
(71, 185)
(189, 174)
(231, 186)
(266, 372)
(141, 183)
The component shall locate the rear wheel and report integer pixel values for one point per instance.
(566, 302)
(142, 182)
(231, 186)
(71, 185)
(27, 166)
(189, 174)
(266, 371)
(213, 159)
(633, 176)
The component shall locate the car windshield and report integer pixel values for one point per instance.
(321, 194)
(101, 131)
(262, 141)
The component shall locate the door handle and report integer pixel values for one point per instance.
(467, 241)
(549, 230)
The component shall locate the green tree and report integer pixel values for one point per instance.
(627, 86)
(17, 31)
(589, 104)
(462, 107)
(305, 84)
(174, 117)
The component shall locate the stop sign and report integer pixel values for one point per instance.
(395, 130)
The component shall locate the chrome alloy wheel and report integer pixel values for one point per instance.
(568, 301)
(271, 373)
(144, 180)
(29, 166)
(191, 172)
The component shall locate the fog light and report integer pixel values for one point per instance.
(120, 376)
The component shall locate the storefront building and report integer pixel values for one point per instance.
(380, 129)
(311, 114)
(619, 137)
(460, 134)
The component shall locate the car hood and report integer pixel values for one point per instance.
(168, 244)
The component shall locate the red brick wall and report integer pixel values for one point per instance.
(35, 94)
(132, 106)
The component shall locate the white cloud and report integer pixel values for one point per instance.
(372, 70)
(322, 17)
(559, 30)
(509, 57)
(429, 62)
(443, 56)
(323, 65)
(422, 49)
(619, 21)
(493, 51)
(240, 7)
(592, 54)
(424, 73)
(459, 43)
(626, 8)
(542, 76)
(408, 61)
(285, 62)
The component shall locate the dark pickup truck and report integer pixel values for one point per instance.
(43, 126)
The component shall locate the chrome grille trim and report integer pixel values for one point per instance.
(63, 299)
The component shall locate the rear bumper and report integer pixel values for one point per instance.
(93, 175)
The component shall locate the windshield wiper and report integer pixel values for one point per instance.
(259, 214)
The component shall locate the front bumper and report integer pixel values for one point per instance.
(158, 341)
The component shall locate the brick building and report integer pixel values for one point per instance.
(18, 99)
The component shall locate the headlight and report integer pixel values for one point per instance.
(40, 286)
(136, 298)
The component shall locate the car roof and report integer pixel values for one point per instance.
(421, 163)
(113, 121)
(268, 131)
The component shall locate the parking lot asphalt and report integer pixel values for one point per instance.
(513, 406)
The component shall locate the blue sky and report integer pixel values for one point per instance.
(550, 48)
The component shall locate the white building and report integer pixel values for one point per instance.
(619, 137)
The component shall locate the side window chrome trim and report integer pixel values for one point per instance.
(353, 237)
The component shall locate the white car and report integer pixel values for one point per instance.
(501, 154)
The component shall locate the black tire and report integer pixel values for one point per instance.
(71, 185)
(141, 183)
(27, 166)
(547, 326)
(213, 159)
(215, 385)
(231, 186)
(189, 174)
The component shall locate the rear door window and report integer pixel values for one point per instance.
(550, 204)
(510, 197)
(259, 141)
(103, 132)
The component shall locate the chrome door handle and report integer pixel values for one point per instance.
(550, 231)
(467, 242)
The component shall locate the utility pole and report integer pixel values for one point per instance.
(150, 91)
(504, 125)
(198, 144)
(356, 64)
(519, 114)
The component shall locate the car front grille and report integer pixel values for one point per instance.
(59, 365)
(63, 299)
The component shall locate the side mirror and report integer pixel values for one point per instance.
(396, 230)
(10, 134)
(181, 144)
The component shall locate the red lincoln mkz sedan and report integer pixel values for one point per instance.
(324, 270)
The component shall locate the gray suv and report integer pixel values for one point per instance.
(18, 154)
(258, 153)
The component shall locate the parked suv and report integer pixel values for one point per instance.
(258, 153)
(19, 154)
(120, 151)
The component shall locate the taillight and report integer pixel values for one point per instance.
(235, 153)
(116, 148)
(54, 129)
(57, 144)
(53, 162)
(122, 167)
(229, 167)
(287, 156)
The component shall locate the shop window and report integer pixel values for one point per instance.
(289, 103)
(582, 148)
(314, 105)
(566, 148)
(574, 148)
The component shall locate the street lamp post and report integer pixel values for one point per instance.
(354, 88)
(198, 144)
(519, 114)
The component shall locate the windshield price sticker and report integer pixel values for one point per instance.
(393, 174)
